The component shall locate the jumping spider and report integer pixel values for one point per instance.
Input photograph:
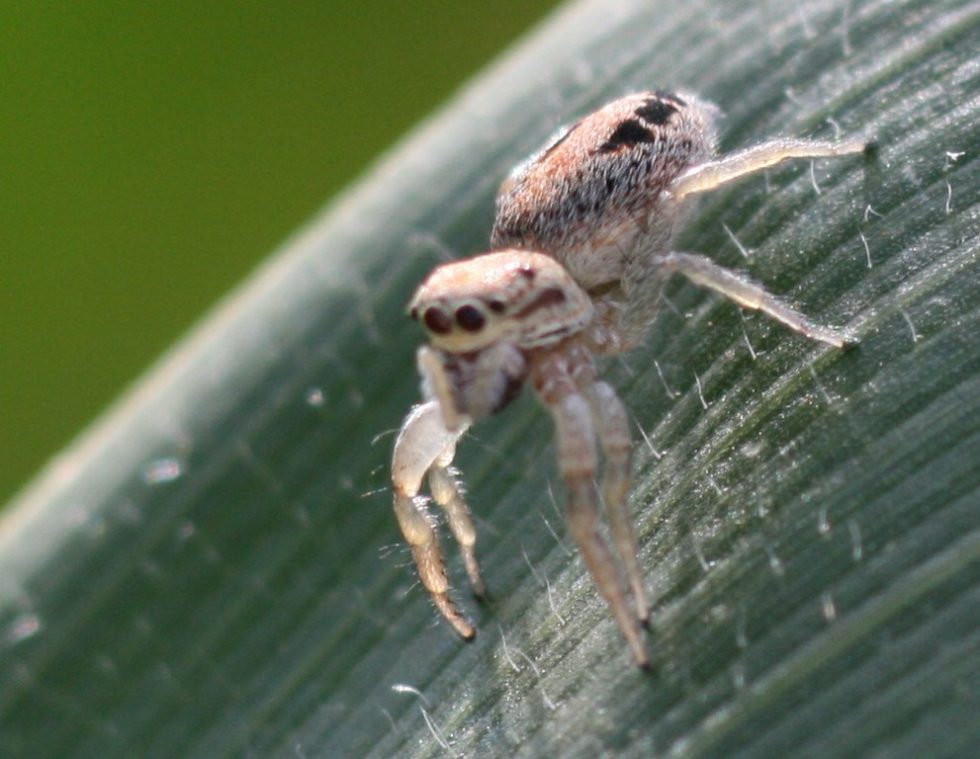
(583, 239)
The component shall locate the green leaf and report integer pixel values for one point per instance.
(214, 569)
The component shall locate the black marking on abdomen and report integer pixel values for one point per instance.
(629, 133)
(656, 111)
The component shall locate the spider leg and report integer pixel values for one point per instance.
(424, 441)
(613, 430)
(737, 287)
(446, 491)
(713, 174)
(613, 427)
(443, 483)
(577, 460)
(643, 285)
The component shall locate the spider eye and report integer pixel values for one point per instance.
(497, 306)
(437, 321)
(469, 318)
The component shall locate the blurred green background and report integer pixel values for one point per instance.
(153, 154)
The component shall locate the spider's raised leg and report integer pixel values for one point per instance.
(577, 461)
(710, 175)
(612, 428)
(445, 491)
(705, 272)
(424, 446)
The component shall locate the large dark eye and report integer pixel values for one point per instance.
(470, 318)
(437, 321)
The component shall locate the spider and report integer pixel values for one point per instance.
(582, 249)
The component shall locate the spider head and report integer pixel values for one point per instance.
(483, 315)
(524, 299)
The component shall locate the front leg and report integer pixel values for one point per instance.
(577, 460)
(425, 447)
(613, 431)
(447, 493)
(614, 435)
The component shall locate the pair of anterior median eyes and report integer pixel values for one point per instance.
(468, 317)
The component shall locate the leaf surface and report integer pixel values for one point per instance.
(214, 569)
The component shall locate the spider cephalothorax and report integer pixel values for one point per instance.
(598, 205)
(485, 316)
